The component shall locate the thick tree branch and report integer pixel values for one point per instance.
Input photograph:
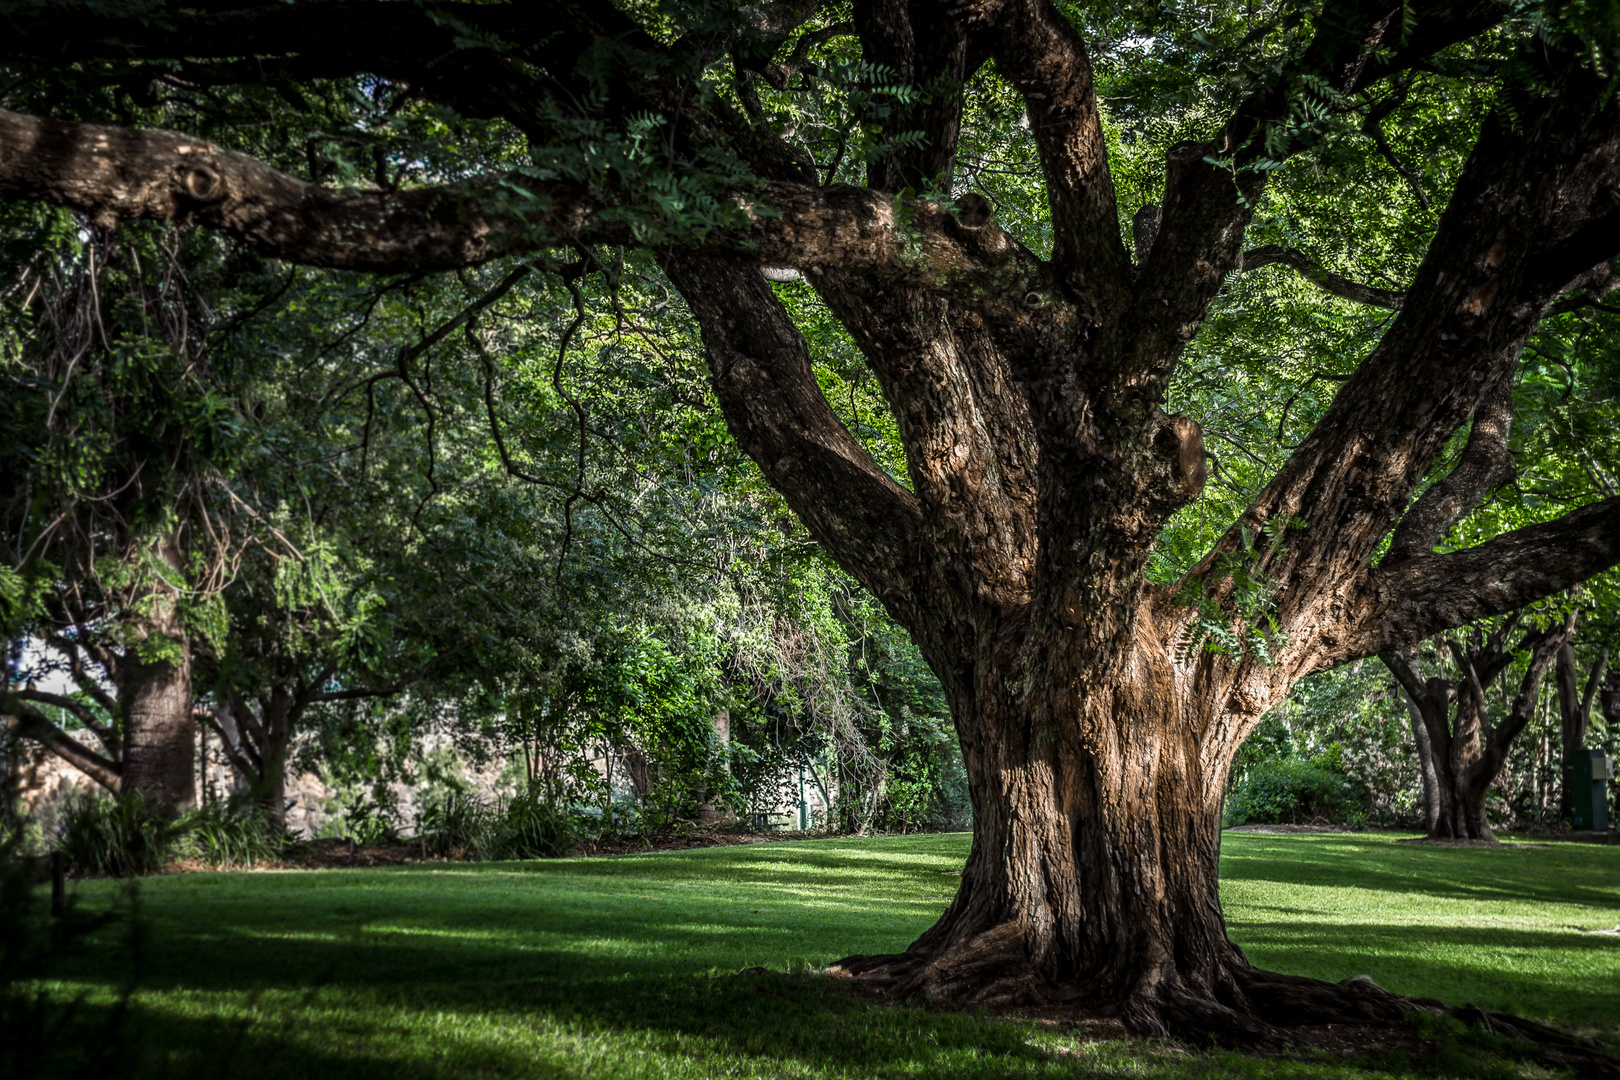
(1211, 187)
(926, 47)
(1485, 465)
(495, 60)
(1472, 304)
(1041, 53)
(1326, 280)
(775, 410)
(1427, 593)
(964, 423)
(29, 722)
(113, 173)
(1403, 672)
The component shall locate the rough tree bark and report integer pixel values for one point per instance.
(1466, 751)
(1096, 730)
(154, 692)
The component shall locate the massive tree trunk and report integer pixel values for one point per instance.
(1040, 468)
(1092, 879)
(154, 694)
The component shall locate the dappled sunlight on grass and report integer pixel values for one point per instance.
(629, 966)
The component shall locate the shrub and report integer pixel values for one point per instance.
(364, 816)
(1291, 791)
(457, 824)
(99, 835)
(234, 833)
(532, 826)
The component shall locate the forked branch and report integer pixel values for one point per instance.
(776, 411)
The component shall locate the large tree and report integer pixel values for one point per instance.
(1039, 465)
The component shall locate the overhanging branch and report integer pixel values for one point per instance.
(29, 722)
(1427, 593)
(112, 174)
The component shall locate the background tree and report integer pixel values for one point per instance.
(119, 543)
(1461, 751)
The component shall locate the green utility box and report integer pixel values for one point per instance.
(1589, 776)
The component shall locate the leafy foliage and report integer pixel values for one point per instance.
(1292, 791)
(99, 835)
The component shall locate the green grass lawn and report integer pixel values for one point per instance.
(629, 966)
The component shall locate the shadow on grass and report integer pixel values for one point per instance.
(1559, 875)
(407, 1007)
(1456, 964)
(631, 967)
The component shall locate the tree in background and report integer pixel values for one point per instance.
(1460, 749)
(120, 547)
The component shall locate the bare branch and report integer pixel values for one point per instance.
(1326, 280)
(1373, 128)
(240, 752)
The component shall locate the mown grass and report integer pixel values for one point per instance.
(634, 966)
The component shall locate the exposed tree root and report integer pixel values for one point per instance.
(1249, 1009)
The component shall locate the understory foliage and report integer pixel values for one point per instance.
(1295, 791)
(571, 572)
(95, 834)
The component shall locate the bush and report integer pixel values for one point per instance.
(235, 833)
(1292, 791)
(532, 826)
(456, 825)
(527, 826)
(102, 836)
